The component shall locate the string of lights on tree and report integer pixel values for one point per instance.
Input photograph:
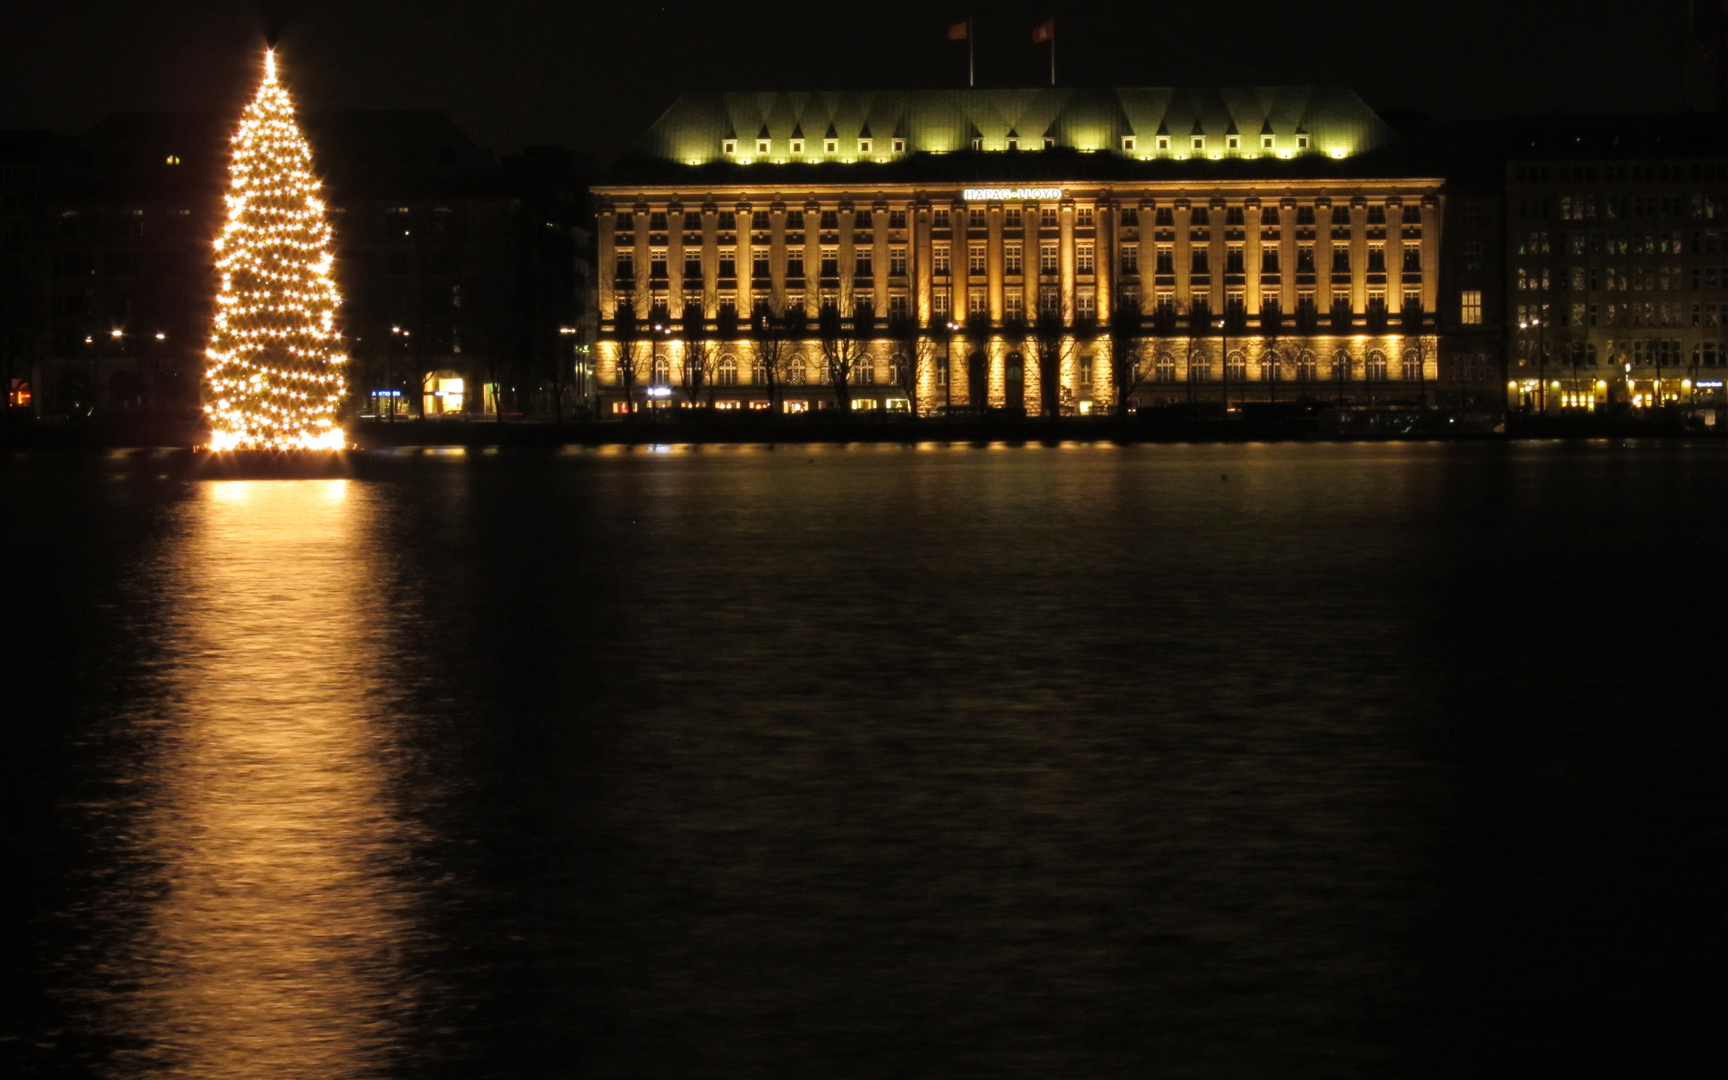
(275, 359)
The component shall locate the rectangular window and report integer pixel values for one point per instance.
(728, 262)
(1340, 260)
(626, 265)
(657, 264)
(1412, 259)
(759, 266)
(939, 304)
(830, 146)
(939, 219)
(1166, 259)
(1265, 142)
(1199, 142)
(975, 218)
(899, 306)
(1200, 215)
(1233, 259)
(794, 264)
(864, 146)
(1011, 218)
(939, 257)
(863, 263)
(977, 302)
(1013, 305)
(1473, 255)
(761, 146)
(1130, 258)
(1268, 260)
(896, 219)
(975, 257)
(1083, 258)
(1047, 217)
(1163, 142)
(1014, 144)
(1232, 142)
(1083, 217)
(1011, 256)
(1376, 258)
(1234, 218)
(898, 145)
(1047, 254)
(896, 260)
(728, 146)
(1200, 261)
(1084, 305)
(830, 220)
(794, 219)
(1376, 214)
(1049, 300)
(1127, 144)
(830, 262)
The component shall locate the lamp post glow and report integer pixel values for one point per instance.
(275, 361)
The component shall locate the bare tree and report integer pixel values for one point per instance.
(773, 344)
(914, 351)
(1412, 320)
(1126, 332)
(1199, 325)
(843, 330)
(631, 335)
(1050, 344)
(1271, 325)
(699, 359)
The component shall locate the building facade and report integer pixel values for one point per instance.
(1057, 251)
(1617, 262)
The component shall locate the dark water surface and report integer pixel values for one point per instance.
(1366, 761)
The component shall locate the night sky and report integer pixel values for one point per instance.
(591, 76)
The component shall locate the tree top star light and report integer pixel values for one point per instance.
(275, 359)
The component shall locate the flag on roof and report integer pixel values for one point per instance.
(1044, 31)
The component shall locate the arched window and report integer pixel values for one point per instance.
(864, 371)
(1412, 366)
(1375, 366)
(727, 373)
(1306, 369)
(897, 368)
(1341, 365)
(1236, 366)
(1014, 367)
(1269, 361)
(662, 370)
(758, 372)
(796, 369)
(1199, 366)
(1164, 368)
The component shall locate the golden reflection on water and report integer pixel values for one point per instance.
(274, 948)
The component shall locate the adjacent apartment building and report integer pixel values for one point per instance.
(1048, 250)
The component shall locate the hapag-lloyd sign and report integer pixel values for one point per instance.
(1027, 194)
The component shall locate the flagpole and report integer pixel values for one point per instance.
(1052, 56)
(971, 68)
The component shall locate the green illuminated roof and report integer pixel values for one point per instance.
(695, 130)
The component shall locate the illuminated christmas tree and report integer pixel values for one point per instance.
(275, 357)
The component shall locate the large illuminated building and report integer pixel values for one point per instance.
(1048, 250)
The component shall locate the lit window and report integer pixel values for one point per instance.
(939, 258)
(1128, 144)
(898, 146)
(1470, 313)
(729, 146)
(1047, 257)
(1011, 256)
(864, 146)
(761, 146)
(976, 302)
(1084, 307)
(1083, 258)
(975, 257)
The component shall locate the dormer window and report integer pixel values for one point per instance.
(1301, 142)
(761, 146)
(797, 146)
(1199, 142)
(830, 146)
(1232, 142)
(864, 145)
(1013, 144)
(1265, 142)
(977, 144)
(1163, 142)
(898, 146)
(728, 146)
(1049, 143)
(1127, 144)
